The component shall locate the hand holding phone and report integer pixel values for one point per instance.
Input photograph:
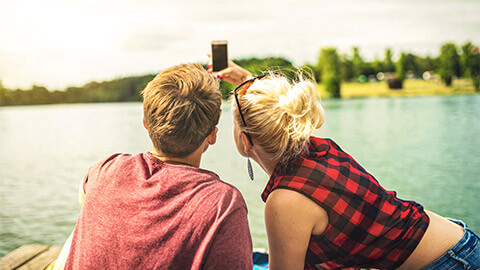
(219, 55)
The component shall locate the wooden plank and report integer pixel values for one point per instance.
(21, 255)
(42, 260)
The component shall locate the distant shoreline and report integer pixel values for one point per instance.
(412, 88)
(349, 90)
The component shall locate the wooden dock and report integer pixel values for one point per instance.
(33, 257)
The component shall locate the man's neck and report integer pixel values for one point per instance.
(191, 160)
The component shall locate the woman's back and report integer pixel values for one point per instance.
(367, 225)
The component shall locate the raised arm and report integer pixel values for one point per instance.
(291, 218)
(233, 74)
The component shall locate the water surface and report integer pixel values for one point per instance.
(425, 148)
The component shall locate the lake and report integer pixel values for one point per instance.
(425, 148)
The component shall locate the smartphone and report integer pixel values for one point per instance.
(219, 55)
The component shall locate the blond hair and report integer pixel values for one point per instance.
(181, 108)
(280, 115)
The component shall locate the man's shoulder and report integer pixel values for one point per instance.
(221, 193)
(117, 157)
(220, 186)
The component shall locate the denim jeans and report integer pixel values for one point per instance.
(464, 255)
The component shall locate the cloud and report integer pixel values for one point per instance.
(156, 39)
(58, 43)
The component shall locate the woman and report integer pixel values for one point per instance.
(323, 210)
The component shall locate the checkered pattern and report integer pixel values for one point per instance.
(368, 226)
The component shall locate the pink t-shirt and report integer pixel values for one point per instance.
(142, 213)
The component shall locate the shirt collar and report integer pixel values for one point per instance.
(314, 149)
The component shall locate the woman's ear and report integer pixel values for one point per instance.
(145, 125)
(246, 142)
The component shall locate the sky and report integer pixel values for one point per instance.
(60, 43)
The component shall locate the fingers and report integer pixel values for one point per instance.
(225, 73)
(233, 74)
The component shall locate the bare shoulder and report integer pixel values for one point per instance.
(291, 218)
(294, 207)
(290, 199)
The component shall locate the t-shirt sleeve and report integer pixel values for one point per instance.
(232, 246)
(91, 175)
(83, 187)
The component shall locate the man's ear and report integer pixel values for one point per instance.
(145, 125)
(212, 138)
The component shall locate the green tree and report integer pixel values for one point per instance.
(38, 95)
(3, 94)
(467, 60)
(406, 63)
(470, 61)
(475, 69)
(401, 67)
(415, 68)
(358, 63)
(368, 69)
(424, 64)
(378, 65)
(346, 68)
(329, 62)
(388, 64)
(449, 63)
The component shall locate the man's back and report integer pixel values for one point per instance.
(143, 213)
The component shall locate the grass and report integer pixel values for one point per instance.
(410, 88)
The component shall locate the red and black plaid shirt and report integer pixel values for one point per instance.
(368, 226)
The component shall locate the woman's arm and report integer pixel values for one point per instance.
(291, 218)
(233, 74)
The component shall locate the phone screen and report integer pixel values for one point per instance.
(219, 55)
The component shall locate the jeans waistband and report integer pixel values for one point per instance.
(468, 235)
(459, 252)
(459, 222)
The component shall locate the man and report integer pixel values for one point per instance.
(159, 210)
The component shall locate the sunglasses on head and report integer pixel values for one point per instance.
(242, 89)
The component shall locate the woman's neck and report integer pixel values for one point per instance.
(266, 161)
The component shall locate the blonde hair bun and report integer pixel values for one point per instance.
(281, 114)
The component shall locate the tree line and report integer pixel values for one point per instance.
(331, 69)
(117, 90)
(452, 62)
